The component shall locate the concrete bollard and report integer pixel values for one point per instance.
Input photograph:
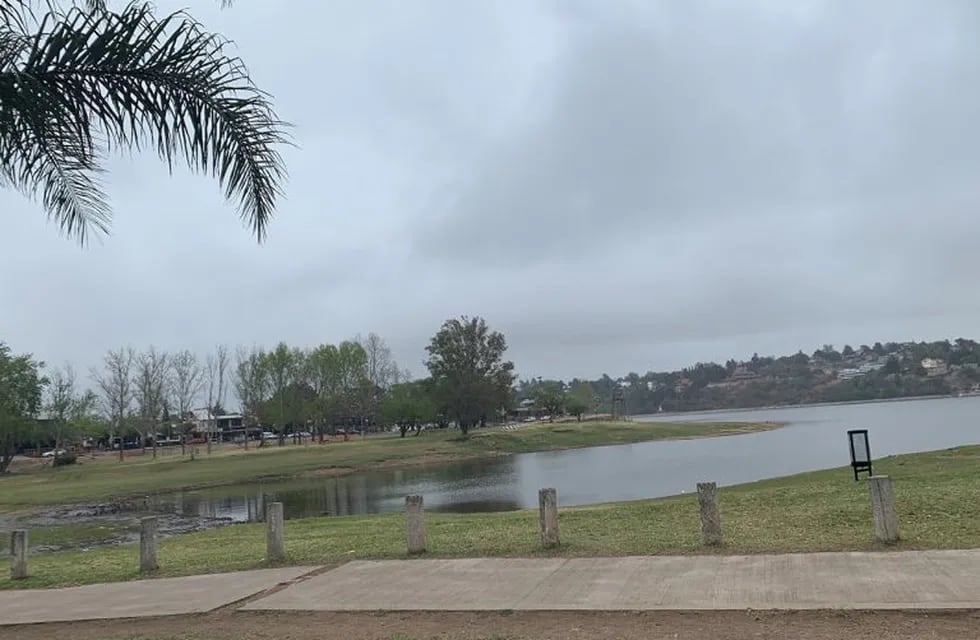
(18, 554)
(710, 517)
(883, 509)
(548, 512)
(414, 525)
(148, 544)
(275, 547)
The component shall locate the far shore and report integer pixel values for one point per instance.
(675, 414)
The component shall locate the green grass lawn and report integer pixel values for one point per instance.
(936, 494)
(105, 477)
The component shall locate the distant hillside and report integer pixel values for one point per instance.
(891, 370)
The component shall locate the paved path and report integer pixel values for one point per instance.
(142, 598)
(907, 580)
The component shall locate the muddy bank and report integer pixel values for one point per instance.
(89, 526)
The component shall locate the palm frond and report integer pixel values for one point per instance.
(129, 79)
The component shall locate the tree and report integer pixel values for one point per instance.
(322, 374)
(382, 370)
(409, 405)
(847, 351)
(65, 406)
(549, 397)
(151, 385)
(186, 382)
(281, 364)
(251, 385)
(580, 400)
(117, 390)
(216, 381)
(355, 393)
(77, 82)
(892, 366)
(21, 389)
(185, 385)
(472, 379)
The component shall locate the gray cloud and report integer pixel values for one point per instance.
(620, 185)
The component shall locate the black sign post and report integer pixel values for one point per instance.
(860, 451)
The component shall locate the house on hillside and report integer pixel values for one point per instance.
(934, 367)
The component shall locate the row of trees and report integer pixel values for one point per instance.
(286, 388)
(356, 383)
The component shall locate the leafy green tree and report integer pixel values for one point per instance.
(409, 405)
(471, 377)
(21, 396)
(580, 400)
(283, 367)
(357, 395)
(550, 398)
(78, 81)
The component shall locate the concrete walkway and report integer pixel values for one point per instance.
(907, 580)
(902, 580)
(141, 598)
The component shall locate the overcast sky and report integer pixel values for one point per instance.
(616, 186)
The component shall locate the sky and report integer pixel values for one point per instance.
(617, 186)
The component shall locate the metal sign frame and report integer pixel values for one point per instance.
(859, 465)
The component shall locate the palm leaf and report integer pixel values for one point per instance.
(86, 80)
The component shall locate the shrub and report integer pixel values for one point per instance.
(64, 459)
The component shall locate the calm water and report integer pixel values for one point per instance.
(814, 439)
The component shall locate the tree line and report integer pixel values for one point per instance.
(356, 384)
(828, 374)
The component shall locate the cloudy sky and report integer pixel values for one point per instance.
(617, 185)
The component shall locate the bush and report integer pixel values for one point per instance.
(64, 459)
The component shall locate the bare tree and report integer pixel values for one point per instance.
(115, 384)
(382, 370)
(60, 402)
(251, 384)
(401, 375)
(216, 381)
(186, 380)
(152, 384)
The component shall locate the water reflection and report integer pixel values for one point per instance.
(815, 439)
(482, 485)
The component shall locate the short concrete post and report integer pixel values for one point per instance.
(548, 514)
(148, 544)
(883, 509)
(18, 554)
(414, 525)
(275, 548)
(710, 517)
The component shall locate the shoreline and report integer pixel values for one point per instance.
(123, 499)
(678, 414)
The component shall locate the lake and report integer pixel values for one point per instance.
(814, 439)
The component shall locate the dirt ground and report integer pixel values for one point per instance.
(229, 625)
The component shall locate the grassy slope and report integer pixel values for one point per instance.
(819, 511)
(105, 478)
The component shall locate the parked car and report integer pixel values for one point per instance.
(268, 435)
(53, 453)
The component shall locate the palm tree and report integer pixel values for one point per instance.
(80, 81)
